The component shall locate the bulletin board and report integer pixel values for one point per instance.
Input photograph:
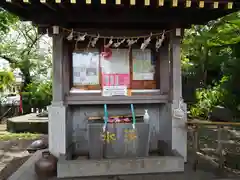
(115, 73)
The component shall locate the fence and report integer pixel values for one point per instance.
(7, 111)
(219, 142)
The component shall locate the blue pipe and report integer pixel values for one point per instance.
(133, 115)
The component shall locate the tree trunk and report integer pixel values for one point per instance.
(27, 79)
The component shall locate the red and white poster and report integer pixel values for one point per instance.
(115, 73)
(115, 79)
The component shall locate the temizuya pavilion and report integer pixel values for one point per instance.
(117, 91)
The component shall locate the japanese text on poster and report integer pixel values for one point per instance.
(143, 68)
(115, 73)
(86, 68)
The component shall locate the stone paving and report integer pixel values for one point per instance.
(204, 172)
(13, 154)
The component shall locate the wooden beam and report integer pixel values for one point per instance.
(174, 3)
(188, 3)
(103, 2)
(160, 2)
(88, 1)
(230, 5)
(16, 8)
(201, 4)
(44, 2)
(132, 2)
(16, 4)
(117, 2)
(215, 4)
(147, 2)
(207, 123)
(128, 16)
(92, 118)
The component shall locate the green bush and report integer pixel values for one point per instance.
(206, 100)
(37, 95)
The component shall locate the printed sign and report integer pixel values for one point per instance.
(117, 64)
(114, 91)
(143, 68)
(115, 73)
(115, 79)
(86, 68)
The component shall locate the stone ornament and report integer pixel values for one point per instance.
(179, 113)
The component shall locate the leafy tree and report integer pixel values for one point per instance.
(210, 56)
(38, 95)
(6, 80)
(20, 47)
(6, 20)
(208, 47)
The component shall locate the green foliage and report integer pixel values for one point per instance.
(37, 95)
(206, 100)
(21, 48)
(6, 80)
(30, 52)
(17, 136)
(210, 58)
(6, 20)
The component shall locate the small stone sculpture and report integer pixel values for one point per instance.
(42, 114)
(37, 145)
(179, 112)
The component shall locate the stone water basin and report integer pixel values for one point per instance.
(119, 140)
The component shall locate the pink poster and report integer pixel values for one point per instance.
(115, 79)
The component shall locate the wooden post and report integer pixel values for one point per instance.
(58, 87)
(220, 147)
(179, 134)
(164, 69)
(57, 125)
(175, 66)
(195, 146)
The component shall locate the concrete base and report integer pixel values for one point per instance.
(26, 172)
(179, 131)
(57, 135)
(113, 167)
(28, 123)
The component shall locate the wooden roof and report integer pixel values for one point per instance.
(174, 3)
(120, 13)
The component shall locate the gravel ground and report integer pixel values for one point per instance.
(13, 154)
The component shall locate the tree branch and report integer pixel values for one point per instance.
(30, 46)
(10, 60)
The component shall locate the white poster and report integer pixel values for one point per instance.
(86, 68)
(117, 64)
(142, 65)
(114, 91)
